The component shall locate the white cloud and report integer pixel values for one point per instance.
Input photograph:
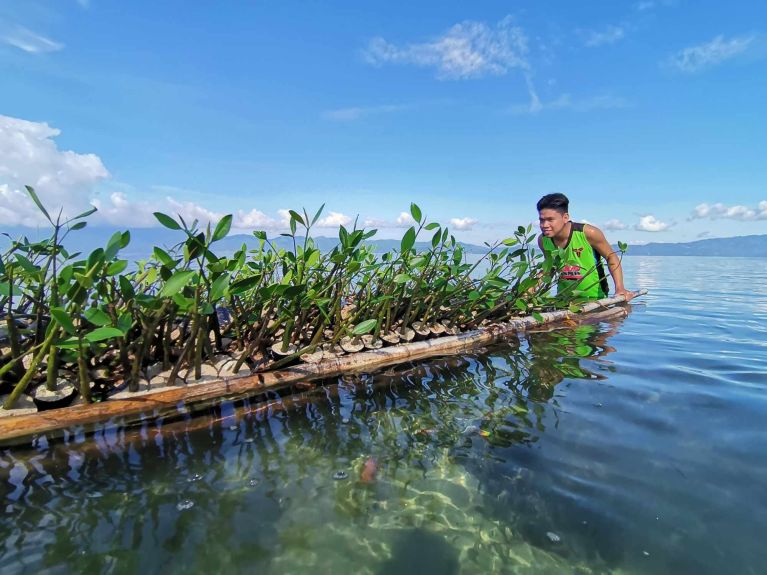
(720, 211)
(697, 58)
(463, 223)
(254, 220)
(566, 102)
(644, 6)
(63, 179)
(405, 220)
(650, 223)
(356, 113)
(66, 182)
(609, 35)
(24, 39)
(614, 225)
(467, 50)
(334, 220)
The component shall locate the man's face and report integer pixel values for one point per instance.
(552, 222)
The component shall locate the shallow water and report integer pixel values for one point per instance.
(630, 447)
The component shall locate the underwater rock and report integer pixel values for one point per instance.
(340, 475)
(553, 537)
(184, 505)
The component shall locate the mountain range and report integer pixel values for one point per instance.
(144, 239)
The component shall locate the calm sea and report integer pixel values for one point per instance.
(638, 446)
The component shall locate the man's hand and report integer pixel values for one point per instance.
(629, 295)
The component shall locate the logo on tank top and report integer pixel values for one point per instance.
(577, 252)
(571, 273)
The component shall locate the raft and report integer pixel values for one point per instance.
(23, 429)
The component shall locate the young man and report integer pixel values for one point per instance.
(584, 245)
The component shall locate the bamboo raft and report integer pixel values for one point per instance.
(22, 429)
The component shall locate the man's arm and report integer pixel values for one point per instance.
(599, 242)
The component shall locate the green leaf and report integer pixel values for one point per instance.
(313, 258)
(62, 318)
(622, 246)
(5, 289)
(317, 215)
(124, 323)
(260, 234)
(78, 226)
(243, 285)
(520, 305)
(167, 221)
(113, 246)
(474, 295)
(415, 211)
(297, 217)
(97, 316)
(219, 286)
(365, 327)
(26, 265)
(38, 203)
(435, 238)
(163, 257)
(431, 226)
(408, 240)
(222, 228)
(402, 278)
(103, 333)
(126, 288)
(510, 242)
(176, 283)
(538, 317)
(85, 214)
(117, 267)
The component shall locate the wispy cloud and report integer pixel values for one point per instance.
(697, 58)
(608, 35)
(356, 113)
(467, 50)
(644, 6)
(650, 223)
(567, 102)
(31, 42)
(720, 211)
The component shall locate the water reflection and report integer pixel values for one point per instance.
(277, 484)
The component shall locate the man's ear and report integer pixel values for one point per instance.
(566, 217)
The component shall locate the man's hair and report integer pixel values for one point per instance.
(558, 202)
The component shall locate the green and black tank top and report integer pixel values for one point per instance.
(580, 273)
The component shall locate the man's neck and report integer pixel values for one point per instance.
(560, 240)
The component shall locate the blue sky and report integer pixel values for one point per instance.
(650, 115)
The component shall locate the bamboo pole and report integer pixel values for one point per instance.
(20, 429)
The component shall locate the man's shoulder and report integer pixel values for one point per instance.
(591, 231)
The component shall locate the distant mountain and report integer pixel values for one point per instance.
(739, 246)
(144, 239)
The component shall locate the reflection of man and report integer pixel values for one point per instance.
(581, 247)
(556, 354)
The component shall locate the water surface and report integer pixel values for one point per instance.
(637, 446)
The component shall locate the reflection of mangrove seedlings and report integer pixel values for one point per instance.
(188, 313)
